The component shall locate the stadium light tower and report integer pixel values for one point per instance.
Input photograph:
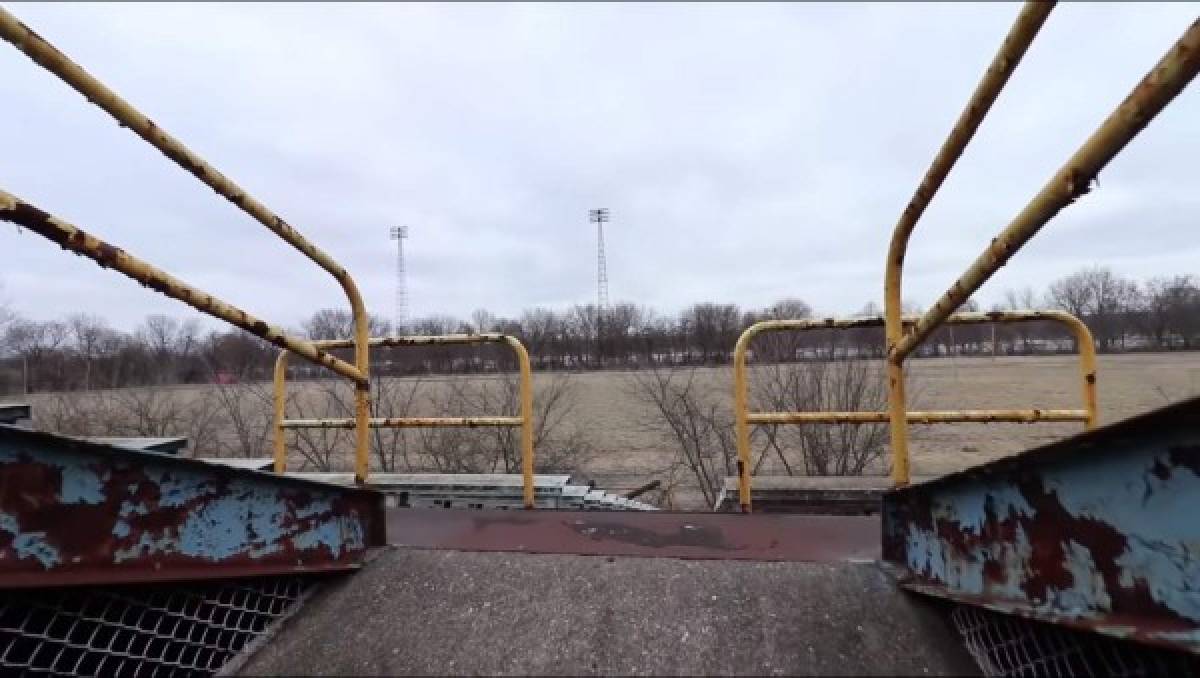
(600, 217)
(399, 233)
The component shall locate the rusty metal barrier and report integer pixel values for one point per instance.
(1166, 80)
(525, 387)
(743, 418)
(19, 212)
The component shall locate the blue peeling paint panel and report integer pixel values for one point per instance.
(78, 512)
(1099, 531)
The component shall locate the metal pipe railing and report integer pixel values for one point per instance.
(920, 417)
(1172, 73)
(1073, 180)
(1029, 21)
(525, 394)
(72, 238)
(49, 57)
(406, 422)
(743, 418)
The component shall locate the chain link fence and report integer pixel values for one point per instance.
(143, 630)
(1004, 645)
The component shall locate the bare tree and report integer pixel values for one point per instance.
(482, 320)
(162, 335)
(782, 346)
(7, 316)
(334, 323)
(88, 333)
(559, 443)
(790, 308)
(539, 327)
(713, 329)
(1100, 298)
(1172, 311)
(247, 411)
(155, 412)
(322, 449)
(36, 345)
(1022, 299)
(687, 416)
(393, 448)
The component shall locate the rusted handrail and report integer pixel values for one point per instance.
(1029, 21)
(524, 420)
(49, 57)
(72, 238)
(743, 418)
(1172, 73)
(921, 417)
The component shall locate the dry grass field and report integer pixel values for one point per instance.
(629, 449)
(1127, 384)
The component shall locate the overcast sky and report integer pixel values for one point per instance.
(747, 152)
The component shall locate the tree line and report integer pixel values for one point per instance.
(83, 352)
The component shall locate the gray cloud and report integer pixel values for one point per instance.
(748, 152)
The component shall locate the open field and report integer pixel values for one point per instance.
(1127, 384)
(627, 449)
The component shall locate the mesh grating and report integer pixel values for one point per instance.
(146, 630)
(1004, 645)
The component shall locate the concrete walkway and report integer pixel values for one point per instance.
(452, 612)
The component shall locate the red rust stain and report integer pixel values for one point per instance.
(83, 533)
(697, 536)
(1049, 528)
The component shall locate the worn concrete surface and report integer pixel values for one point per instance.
(453, 612)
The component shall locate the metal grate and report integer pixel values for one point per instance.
(1004, 645)
(144, 630)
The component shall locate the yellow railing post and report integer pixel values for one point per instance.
(278, 440)
(526, 396)
(740, 407)
(1028, 22)
(1086, 346)
(362, 410)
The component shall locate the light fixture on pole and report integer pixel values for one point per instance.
(600, 217)
(399, 233)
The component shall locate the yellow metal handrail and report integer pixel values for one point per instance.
(743, 418)
(525, 388)
(1172, 73)
(70, 237)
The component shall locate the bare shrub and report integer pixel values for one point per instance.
(822, 449)
(75, 414)
(696, 422)
(246, 411)
(155, 412)
(559, 443)
(688, 416)
(322, 449)
(557, 446)
(394, 448)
